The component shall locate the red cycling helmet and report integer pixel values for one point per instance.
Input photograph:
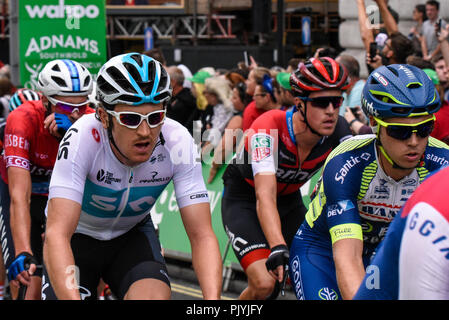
(318, 74)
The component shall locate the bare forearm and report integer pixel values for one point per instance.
(20, 225)
(365, 32)
(206, 261)
(269, 221)
(390, 23)
(350, 273)
(61, 267)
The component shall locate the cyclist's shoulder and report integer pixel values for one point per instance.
(353, 146)
(432, 192)
(436, 153)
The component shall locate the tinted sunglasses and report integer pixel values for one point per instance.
(69, 107)
(133, 120)
(323, 102)
(402, 131)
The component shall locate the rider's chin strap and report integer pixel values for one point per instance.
(305, 119)
(111, 138)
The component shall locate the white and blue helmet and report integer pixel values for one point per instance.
(132, 79)
(64, 78)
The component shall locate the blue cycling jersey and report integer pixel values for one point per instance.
(412, 262)
(355, 199)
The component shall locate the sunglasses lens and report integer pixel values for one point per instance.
(405, 132)
(425, 129)
(323, 102)
(399, 132)
(130, 119)
(70, 108)
(156, 118)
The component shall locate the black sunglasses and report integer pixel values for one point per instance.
(323, 102)
(403, 132)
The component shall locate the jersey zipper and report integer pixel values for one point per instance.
(126, 198)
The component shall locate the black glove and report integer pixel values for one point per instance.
(279, 256)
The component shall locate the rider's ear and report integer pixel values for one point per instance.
(102, 115)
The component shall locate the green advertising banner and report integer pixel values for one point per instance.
(60, 29)
(165, 214)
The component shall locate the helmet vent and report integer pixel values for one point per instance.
(105, 87)
(138, 59)
(147, 87)
(59, 81)
(414, 85)
(393, 70)
(133, 72)
(114, 73)
(129, 98)
(56, 68)
(87, 81)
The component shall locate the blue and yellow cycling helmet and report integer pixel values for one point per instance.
(132, 79)
(399, 90)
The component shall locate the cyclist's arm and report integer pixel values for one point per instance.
(389, 22)
(348, 266)
(267, 212)
(19, 183)
(206, 257)
(62, 219)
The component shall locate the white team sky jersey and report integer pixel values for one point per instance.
(115, 197)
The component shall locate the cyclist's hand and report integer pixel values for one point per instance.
(22, 268)
(51, 126)
(277, 262)
(63, 122)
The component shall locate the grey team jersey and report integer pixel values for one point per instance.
(114, 197)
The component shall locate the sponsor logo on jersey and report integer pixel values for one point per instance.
(430, 229)
(154, 178)
(348, 165)
(199, 195)
(339, 208)
(106, 177)
(378, 211)
(14, 141)
(327, 294)
(96, 135)
(14, 161)
(159, 158)
(261, 146)
(440, 160)
(296, 271)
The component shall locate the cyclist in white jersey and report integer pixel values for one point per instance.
(109, 172)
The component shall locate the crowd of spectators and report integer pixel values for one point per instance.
(216, 99)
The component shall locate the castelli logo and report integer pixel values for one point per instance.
(96, 135)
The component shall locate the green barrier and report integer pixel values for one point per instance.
(173, 237)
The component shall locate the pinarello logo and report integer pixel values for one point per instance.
(96, 135)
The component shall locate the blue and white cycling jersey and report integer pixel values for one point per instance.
(115, 197)
(412, 262)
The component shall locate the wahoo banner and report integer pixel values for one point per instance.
(60, 29)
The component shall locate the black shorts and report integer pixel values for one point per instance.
(37, 212)
(239, 214)
(120, 262)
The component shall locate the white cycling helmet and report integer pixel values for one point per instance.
(64, 78)
(132, 79)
